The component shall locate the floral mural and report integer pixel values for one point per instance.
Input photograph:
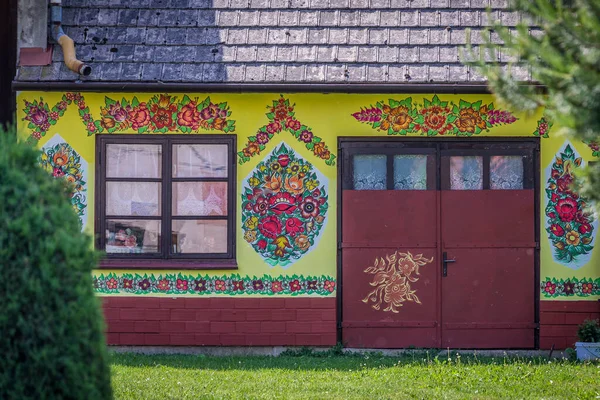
(282, 117)
(582, 287)
(61, 161)
(232, 285)
(570, 224)
(392, 280)
(284, 207)
(544, 125)
(161, 114)
(433, 117)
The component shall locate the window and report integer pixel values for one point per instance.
(168, 200)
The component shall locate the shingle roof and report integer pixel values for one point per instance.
(274, 41)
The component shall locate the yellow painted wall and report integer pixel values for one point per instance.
(329, 116)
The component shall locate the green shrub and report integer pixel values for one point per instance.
(51, 327)
(589, 331)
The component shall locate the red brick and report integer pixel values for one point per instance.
(208, 340)
(177, 339)
(222, 302)
(283, 315)
(328, 315)
(111, 314)
(112, 339)
(259, 315)
(558, 342)
(296, 303)
(147, 326)
(247, 303)
(308, 340)
(272, 303)
(552, 318)
(558, 330)
(247, 327)
(570, 306)
(273, 327)
(576, 318)
(132, 339)
(233, 340)
(197, 303)
(209, 315)
(157, 314)
(233, 315)
(298, 327)
(197, 327)
(182, 314)
(123, 302)
(323, 327)
(328, 302)
(136, 314)
(329, 339)
(283, 340)
(222, 327)
(104, 301)
(120, 326)
(172, 326)
(172, 303)
(147, 302)
(258, 340)
(157, 339)
(309, 315)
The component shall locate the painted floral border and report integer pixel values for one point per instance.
(160, 114)
(282, 117)
(544, 125)
(232, 285)
(584, 287)
(433, 117)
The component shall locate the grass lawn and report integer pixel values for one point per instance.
(350, 377)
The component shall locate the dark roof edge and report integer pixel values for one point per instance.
(447, 88)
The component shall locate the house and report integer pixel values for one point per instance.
(307, 172)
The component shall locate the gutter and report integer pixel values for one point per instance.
(173, 87)
(67, 44)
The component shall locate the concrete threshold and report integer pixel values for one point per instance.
(220, 351)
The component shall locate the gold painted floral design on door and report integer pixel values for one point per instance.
(393, 276)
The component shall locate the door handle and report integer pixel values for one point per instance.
(445, 262)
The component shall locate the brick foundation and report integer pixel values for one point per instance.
(559, 320)
(220, 321)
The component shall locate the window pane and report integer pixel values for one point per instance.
(133, 198)
(199, 236)
(370, 172)
(200, 161)
(466, 173)
(132, 236)
(200, 198)
(506, 172)
(410, 172)
(133, 160)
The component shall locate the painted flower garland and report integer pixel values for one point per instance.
(584, 287)
(433, 117)
(569, 226)
(62, 161)
(162, 113)
(231, 285)
(284, 207)
(283, 118)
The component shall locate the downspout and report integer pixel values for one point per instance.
(67, 44)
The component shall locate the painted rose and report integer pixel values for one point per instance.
(283, 160)
(302, 242)
(119, 113)
(189, 116)
(293, 226)
(566, 209)
(406, 266)
(163, 112)
(435, 119)
(564, 183)
(293, 124)
(294, 185)
(306, 136)
(397, 118)
(321, 151)
(270, 227)
(585, 228)
(37, 115)
(274, 127)
(219, 123)
(262, 137)
(262, 244)
(273, 183)
(139, 116)
(468, 120)
(557, 230)
(396, 290)
(213, 111)
(251, 149)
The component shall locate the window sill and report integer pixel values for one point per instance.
(168, 264)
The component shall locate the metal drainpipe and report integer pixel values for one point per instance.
(67, 44)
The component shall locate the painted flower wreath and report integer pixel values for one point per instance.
(283, 207)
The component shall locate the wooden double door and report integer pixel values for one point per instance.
(438, 244)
